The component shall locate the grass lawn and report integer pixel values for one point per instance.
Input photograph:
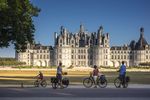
(28, 76)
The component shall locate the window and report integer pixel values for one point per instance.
(112, 57)
(60, 40)
(146, 56)
(118, 57)
(44, 57)
(72, 41)
(81, 56)
(71, 56)
(72, 51)
(81, 51)
(78, 51)
(60, 57)
(78, 56)
(106, 56)
(121, 56)
(84, 51)
(106, 51)
(84, 57)
(40, 56)
(124, 56)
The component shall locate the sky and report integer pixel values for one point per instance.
(122, 19)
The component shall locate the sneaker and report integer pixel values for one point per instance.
(95, 86)
(119, 86)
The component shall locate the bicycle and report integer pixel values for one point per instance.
(43, 83)
(101, 81)
(119, 81)
(56, 83)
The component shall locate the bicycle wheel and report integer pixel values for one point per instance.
(36, 83)
(102, 83)
(117, 82)
(65, 82)
(87, 82)
(54, 85)
(44, 83)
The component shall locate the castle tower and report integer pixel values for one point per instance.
(99, 35)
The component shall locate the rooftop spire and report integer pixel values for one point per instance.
(81, 28)
(142, 32)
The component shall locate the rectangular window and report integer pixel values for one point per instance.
(146, 56)
(130, 56)
(72, 51)
(112, 57)
(78, 51)
(59, 56)
(78, 56)
(124, 56)
(118, 57)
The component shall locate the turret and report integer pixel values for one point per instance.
(99, 35)
(81, 28)
(55, 38)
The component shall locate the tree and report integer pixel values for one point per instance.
(16, 24)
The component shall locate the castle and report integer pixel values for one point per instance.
(84, 49)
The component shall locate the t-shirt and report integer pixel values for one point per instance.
(59, 70)
(40, 76)
(95, 72)
(122, 70)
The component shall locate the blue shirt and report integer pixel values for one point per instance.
(122, 70)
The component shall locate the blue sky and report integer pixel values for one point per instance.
(122, 19)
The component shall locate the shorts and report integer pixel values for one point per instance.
(59, 77)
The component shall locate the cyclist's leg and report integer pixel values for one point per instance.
(121, 80)
(59, 77)
(95, 80)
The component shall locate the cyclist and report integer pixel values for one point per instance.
(40, 76)
(59, 74)
(95, 75)
(122, 73)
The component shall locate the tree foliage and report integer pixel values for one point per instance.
(16, 24)
(10, 62)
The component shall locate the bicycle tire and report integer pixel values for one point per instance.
(44, 83)
(65, 82)
(117, 82)
(36, 83)
(102, 83)
(87, 82)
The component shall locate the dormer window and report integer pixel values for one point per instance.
(61, 41)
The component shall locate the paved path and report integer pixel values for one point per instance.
(76, 92)
(110, 85)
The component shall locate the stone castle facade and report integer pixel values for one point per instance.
(84, 49)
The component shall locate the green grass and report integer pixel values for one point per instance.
(136, 78)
